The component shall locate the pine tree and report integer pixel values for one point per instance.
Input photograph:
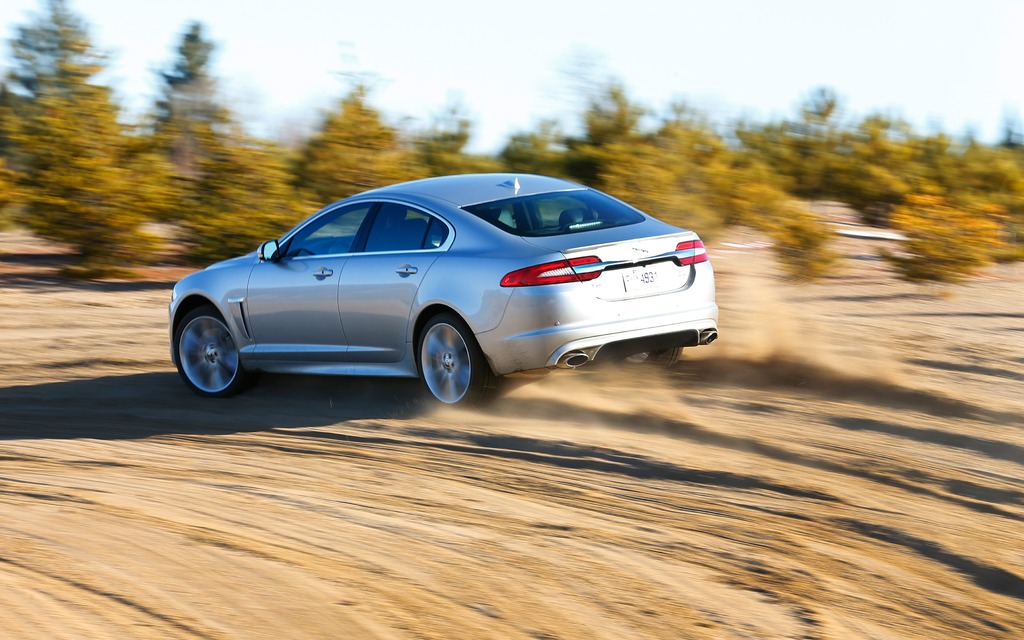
(541, 151)
(611, 119)
(7, 193)
(78, 178)
(239, 197)
(187, 111)
(878, 168)
(232, 191)
(353, 150)
(440, 150)
(806, 150)
(7, 177)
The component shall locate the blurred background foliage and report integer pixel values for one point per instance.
(74, 171)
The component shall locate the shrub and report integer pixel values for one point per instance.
(946, 242)
(801, 242)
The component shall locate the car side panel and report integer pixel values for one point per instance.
(224, 286)
(469, 285)
(293, 309)
(377, 294)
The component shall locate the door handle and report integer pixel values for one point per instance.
(406, 270)
(324, 272)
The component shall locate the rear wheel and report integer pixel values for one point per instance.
(667, 358)
(664, 358)
(207, 357)
(452, 366)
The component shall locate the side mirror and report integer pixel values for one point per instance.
(269, 251)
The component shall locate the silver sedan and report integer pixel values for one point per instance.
(458, 280)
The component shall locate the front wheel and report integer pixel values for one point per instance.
(207, 357)
(452, 366)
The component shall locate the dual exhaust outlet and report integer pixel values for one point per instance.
(578, 358)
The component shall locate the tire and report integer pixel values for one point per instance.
(662, 358)
(666, 358)
(451, 364)
(206, 355)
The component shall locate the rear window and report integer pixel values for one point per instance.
(552, 214)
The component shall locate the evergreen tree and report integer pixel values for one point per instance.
(440, 150)
(878, 168)
(611, 118)
(8, 103)
(54, 54)
(231, 191)
(1013, 137)
(187, 112)
(353, 150)
(7, 193)
(7, 177)
(806, 150)
(239, 197)
(663, 172)
(79, 181)
(541, 151)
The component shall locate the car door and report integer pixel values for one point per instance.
(293, 302)
(379, 284)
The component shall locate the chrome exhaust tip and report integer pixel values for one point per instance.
(573, 359)
(707, 336)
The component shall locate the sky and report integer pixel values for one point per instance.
(953, 65)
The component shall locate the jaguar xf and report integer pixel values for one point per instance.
(457, 280)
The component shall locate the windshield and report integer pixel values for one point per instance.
(550, 214)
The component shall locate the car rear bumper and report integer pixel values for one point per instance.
(550, 348)
(543, 326)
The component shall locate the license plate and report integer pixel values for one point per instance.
(643, 279)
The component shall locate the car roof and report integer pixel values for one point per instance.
(475, 188)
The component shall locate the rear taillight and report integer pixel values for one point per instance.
(700, 254)
(551, 273)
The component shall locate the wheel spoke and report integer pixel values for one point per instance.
(189, 343)
(208, 355)
(446, 363)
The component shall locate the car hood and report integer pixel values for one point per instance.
(231, 262)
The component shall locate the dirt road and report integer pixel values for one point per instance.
(847, 462)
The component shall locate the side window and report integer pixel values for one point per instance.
(401, 228)
(437, 233)
(330, 234)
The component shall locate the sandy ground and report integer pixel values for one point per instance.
(846, 462)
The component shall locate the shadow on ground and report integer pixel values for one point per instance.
(149, 404)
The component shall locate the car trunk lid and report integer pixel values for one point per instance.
(632, 267)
